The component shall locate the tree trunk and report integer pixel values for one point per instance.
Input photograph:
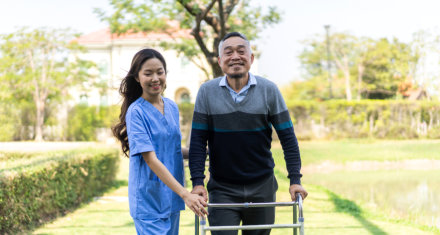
(361, 69)
(216, 70)
(347, 82)
(39, 120)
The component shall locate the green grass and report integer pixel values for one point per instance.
(328, 210)
(342, 151)
(411, 196)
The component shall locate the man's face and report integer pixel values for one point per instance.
(235, 58)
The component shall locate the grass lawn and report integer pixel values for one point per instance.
(326, 212)
(342, 151)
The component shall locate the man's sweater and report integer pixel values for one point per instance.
(239, 135)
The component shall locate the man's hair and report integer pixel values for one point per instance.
(233, 34)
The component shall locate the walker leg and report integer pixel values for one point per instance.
(196, 225)
(202, 225)
(295, 220)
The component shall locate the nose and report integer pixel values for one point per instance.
(235, 55)
(155, 77)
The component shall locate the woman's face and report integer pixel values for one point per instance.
(152, 78)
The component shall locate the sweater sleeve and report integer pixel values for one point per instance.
(199, 137)
(280, 119)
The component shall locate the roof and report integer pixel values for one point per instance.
(104, 36)
(416, 94)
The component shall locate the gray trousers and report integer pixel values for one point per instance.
(263, 191)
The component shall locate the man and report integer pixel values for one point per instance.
(235, 114)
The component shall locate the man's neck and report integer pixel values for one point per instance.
(237, 83)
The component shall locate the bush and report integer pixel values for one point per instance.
(83, 121)
(36, 189)
(366, 118)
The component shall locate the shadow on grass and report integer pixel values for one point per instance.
(349, 207)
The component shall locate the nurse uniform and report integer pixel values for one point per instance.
(155, 208)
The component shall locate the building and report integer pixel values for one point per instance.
(113, 53)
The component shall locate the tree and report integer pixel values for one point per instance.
(387, 65)
(315, 63)
(380, 66)
(37, 66)
(344, 55)
(425, 71)
(209, 20)
(364, 45)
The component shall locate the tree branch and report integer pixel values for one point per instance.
(208, 17)
(230, 7)
(205, 71)
(222, 19)
(203, 15)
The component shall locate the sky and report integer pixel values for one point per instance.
(279, 44)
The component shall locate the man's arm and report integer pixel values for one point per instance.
(282, 123)
(197, 149)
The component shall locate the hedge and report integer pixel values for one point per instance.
(34, 190)
(336, 119)
(388, 119)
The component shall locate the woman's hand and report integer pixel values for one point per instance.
(196, 203)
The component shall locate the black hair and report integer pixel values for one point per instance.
(131, 90)
(233, 34)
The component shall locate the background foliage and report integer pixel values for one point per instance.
(209, 21)
(37, 66)
(338, 119)
(84, 121)
(344, 66)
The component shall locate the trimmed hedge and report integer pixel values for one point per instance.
(335, 119)
(35, 190)
(385, 119)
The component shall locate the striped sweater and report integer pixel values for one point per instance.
(239, 135)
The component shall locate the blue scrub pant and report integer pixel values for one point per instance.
(159, 226)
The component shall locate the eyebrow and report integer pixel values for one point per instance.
(230, 47)
(151, 70)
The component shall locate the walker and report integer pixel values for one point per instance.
(297, 225)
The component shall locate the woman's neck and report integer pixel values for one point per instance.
(153, 99)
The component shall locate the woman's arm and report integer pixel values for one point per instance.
(195, 202)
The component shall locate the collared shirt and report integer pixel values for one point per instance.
(239, 96)
(150, 130)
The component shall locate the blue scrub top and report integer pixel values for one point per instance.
(149, 130)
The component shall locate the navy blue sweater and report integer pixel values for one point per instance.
(239, 135)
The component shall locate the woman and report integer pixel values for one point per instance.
(149, 131)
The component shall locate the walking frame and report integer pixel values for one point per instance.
(297, 225)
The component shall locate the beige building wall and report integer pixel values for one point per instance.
(113, 59)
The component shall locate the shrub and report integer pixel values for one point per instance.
(83, 121)
(36, 189)
(365, 118)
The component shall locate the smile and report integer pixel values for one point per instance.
(155, 86)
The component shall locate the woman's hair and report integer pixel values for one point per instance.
(131, 90)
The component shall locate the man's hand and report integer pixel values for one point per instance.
(297, 188)
(201, 191)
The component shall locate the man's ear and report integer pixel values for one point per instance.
(252, 58)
